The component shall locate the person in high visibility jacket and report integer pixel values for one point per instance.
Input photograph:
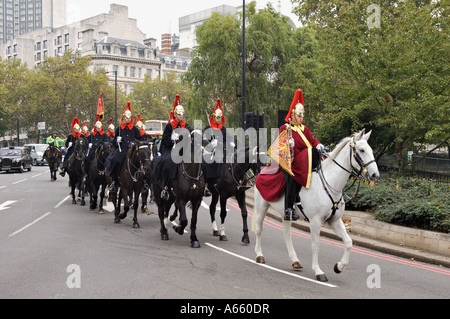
(55, 139)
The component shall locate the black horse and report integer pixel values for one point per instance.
(235, 178)
(148, 186)
(75, 169)
(53, 156)
(97, 176)
(187, 186)
(132, 179)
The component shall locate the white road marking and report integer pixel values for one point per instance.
(21, 181)
(6, 204)
(29, 225)
(61, 202)
(270, 267)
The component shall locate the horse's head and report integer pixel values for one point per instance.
(362, 158)
(142, 153)
(79, 149)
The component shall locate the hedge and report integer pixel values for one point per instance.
(410, 202)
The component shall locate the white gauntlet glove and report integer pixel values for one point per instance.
(119, 139)
(320, 148)
(90, 145)
(291, 143)
(175, 136)
(70, 144)
(214, 143)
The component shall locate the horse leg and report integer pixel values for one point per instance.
(339, 228)
(102, 187)
(183, 218)
(223, 216)
(164, 220)
(212, 212)
(242, 205)
(81, 194)
(315, 225)
(117, 199)
(261, 207)
(144, 196)
(194, 240)
(135, 208)
(287, 234)
(126, 204)
(74, 200)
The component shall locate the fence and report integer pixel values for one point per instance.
(437, 169)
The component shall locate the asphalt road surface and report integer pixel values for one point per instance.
(51, 249)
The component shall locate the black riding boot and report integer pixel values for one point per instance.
(292, 189)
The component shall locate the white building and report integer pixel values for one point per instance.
(112, 39)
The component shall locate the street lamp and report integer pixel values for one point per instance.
(243, 65)
(115, 97)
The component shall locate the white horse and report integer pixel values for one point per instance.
(323, 202)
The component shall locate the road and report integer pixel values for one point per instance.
(51, 249)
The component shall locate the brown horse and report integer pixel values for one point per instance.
(133, 174)
(53, 156)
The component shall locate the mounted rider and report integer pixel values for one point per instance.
(85, 129)
(141, 127)
(111, 130)
(125, 136)
(54, 138)
(70, 141)
(222, 142)
(95, 140)
(298, 154)
(164, 167)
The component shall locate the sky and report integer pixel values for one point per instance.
(155, 17)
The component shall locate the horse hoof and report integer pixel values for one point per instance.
(74, 202)
(135, 226)
(297, 266)
(195, 244)
(336, 269)
(117, 220)
(245, 240)
(178, 230)
(165, 237)
(215, 233)
(83, 203)
(322, 278)
(260, 260)
(123, 216)
(101, 211)
(223, 238)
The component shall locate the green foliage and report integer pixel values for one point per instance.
(410, 202)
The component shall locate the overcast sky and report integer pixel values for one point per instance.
(155, 17)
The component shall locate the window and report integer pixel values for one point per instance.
(125, 71)
(66, 38)
(132, 72)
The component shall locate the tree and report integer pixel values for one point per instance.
(154, 99)
(216, 69)
(391, 76)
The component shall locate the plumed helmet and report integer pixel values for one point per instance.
(139, 122)
(179, 110)
(111, 125)
(128, 114)
(297, 106)
(76, 124)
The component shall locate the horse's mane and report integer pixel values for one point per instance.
(339, 148)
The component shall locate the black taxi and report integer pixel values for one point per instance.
(15, 159)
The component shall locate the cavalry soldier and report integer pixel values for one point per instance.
(125, 136)
(55, 139)
(216, 133)
(94, 141)
(85, 129)
(141, 127)
(300, 154)
(111, 130)
(164, 167)
(70, 141)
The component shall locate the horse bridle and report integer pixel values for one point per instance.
(138, 169)
(361, 174)
(199, 171)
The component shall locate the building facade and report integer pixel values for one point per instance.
(18, 17)
(112, 39)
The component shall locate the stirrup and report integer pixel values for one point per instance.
(291, 215)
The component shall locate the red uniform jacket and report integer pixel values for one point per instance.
(270, 182)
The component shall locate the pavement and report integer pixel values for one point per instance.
(384, 246)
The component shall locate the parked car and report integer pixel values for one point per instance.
(37, 152)
(15, 159)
